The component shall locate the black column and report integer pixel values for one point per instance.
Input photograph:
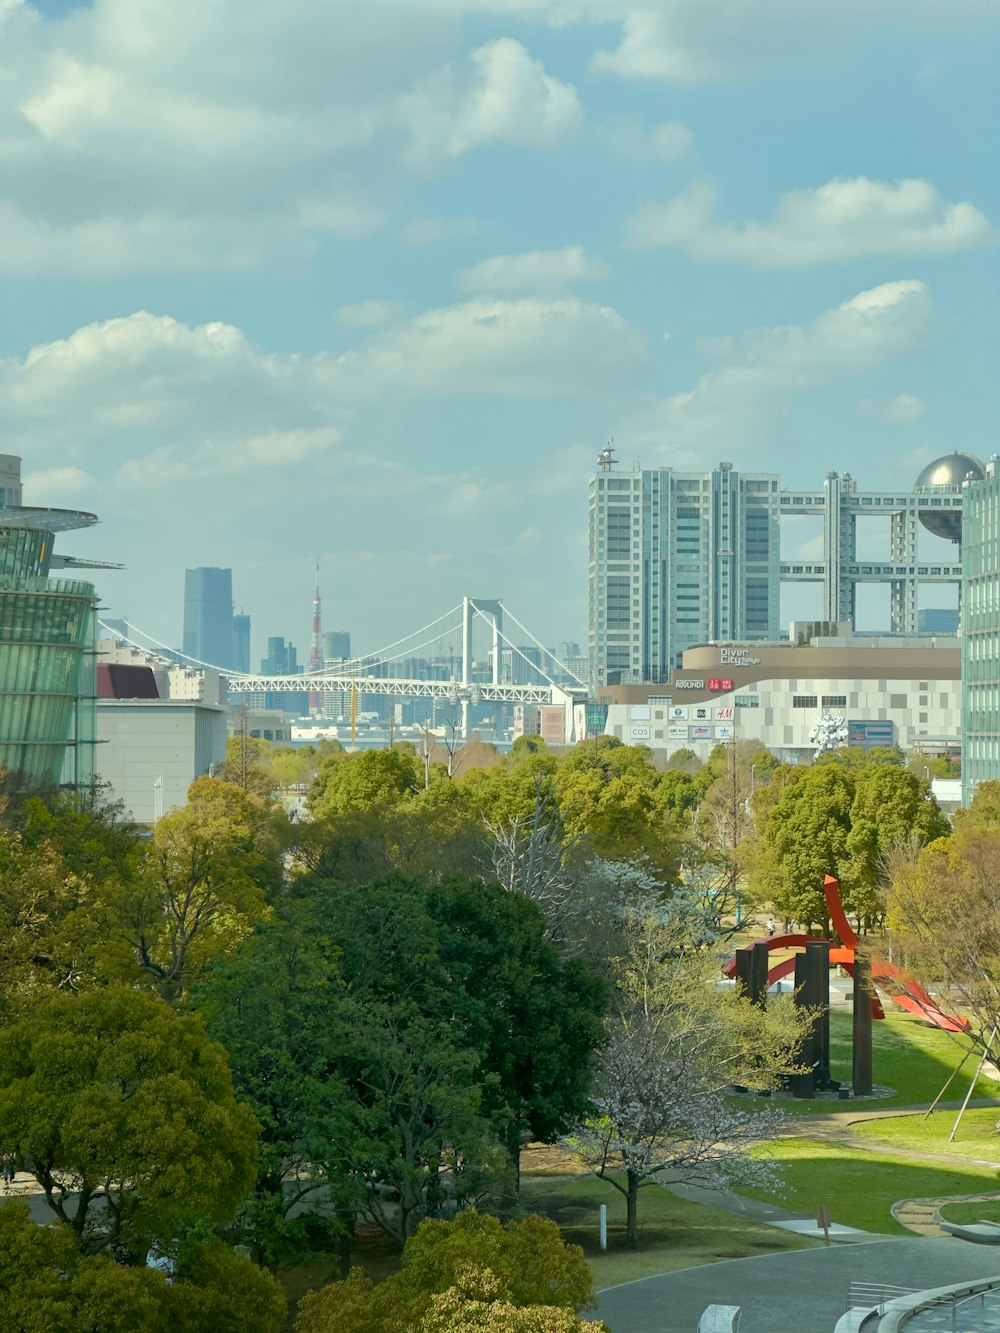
(761, 958)
(861, 1052)
(818, 970)
(803, 1085)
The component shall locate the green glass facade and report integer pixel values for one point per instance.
(980, 633)
(47, 663)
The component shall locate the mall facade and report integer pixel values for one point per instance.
(888, 691)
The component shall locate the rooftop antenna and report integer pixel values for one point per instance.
(606, 458)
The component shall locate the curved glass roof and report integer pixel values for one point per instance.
(47, 520)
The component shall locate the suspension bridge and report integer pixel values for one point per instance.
(465, 685)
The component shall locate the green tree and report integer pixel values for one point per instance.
(47, 1284)
(369, 780)
(54, 925)
(478, 1265)
(205, 880)
(475, 959)
(278, 1006)
(892, 807)
(124, 1113)
(983, 809)
(801, 836)
(944, 916)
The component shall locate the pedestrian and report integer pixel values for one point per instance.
(9, 1168)
(788, 925)
(770, 926)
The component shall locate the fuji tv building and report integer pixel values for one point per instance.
(897, 688)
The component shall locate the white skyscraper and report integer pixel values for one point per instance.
(676, 559)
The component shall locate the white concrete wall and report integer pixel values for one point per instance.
(143, 742)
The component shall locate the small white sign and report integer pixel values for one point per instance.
(677, 731)
(639, 733)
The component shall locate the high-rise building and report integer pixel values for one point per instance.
(241, 643)
(981, 631)
(208, 616)
(47, 644)
(678, 558)
(336, 645)
(282, 660)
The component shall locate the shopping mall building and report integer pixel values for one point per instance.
(888, 691)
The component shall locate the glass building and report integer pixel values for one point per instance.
(47, 645)
(208, 617)
(981, 631)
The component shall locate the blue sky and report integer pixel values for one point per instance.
(376, 281)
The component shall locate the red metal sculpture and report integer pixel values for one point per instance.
(901, 988)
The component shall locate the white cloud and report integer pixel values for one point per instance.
(844, 219)
(501, 94)
(528, 346)
(700, 41)
(666, 142)
(538, 271)
(367, 314)
(183, 136)
(756, 377)
(56, 485)
(904, 407)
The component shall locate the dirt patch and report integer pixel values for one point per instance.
(546, 1159)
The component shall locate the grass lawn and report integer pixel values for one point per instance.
(860, 1187)
(672, 1233)
(988, 1210)
(977, 1133)
(908, 1055)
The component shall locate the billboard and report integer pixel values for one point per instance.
(700, 733)
(677, 731)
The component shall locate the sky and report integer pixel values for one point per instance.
(373, 281)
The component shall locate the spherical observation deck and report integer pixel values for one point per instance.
(947, 474)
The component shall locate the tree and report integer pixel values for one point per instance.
(801, 835)
(278, 1008)
(892, 807)
(674, 1046)
(944, 916)
(983, 809)
(474, 959)
(457, 1275)
(53, 925)
(370, 780)
(204, 883)
(530, 855)
(124, 1113)
(720, 822)
(47, 1284)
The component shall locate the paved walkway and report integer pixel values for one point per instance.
(803, 1290)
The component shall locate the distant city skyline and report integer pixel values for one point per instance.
(377, 282)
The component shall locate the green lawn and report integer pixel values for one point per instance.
(673, 1233)
(976, 1137)
(987, 1210)
(858, 1186)
(908, 1056)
